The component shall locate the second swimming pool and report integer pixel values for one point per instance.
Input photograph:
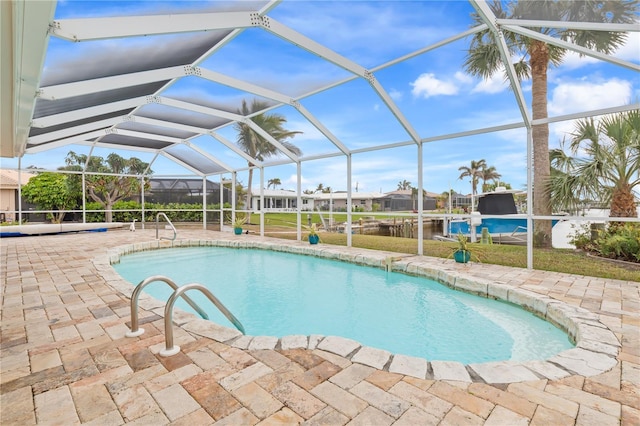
(279, 294)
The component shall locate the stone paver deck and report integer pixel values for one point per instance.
(64, 357)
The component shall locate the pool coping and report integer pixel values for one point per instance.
(595, 352)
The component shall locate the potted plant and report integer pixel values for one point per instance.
(238, 224)
(461, 253)
(314, 238)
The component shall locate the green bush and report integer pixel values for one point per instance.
(620, 241)
(126, 211)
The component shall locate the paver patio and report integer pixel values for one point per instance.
(65, 358)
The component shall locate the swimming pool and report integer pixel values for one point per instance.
(279, 294)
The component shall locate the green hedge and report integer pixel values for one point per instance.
(617, 241)
(126, 211)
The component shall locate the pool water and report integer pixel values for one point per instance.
(280, 294)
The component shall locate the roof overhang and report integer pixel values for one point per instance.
(22, 54)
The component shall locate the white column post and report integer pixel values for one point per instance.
(204, 203)
(420, 202)
(19, 190)
(299, 201)
(349, 206)
(261, 212)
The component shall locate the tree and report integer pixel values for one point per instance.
(257, 146)
(492, 186)
(112, 181)
(50, 191)
(320, 188)
(489, 173)
(404, 185)
(608, 165)
(474, 171)
(273, 182)
(532, 60)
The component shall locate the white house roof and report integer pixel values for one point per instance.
(9, 178)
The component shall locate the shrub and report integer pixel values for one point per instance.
(126, 211)
(621, 241)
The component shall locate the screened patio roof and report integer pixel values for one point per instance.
(163, 82)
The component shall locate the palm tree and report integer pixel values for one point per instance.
(533, 58)
(273, 182)
(403, 185)
(489, 173)
(320, 188)
(608, 167)
(474, 171)
(257, 146)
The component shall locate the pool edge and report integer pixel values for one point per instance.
(596, 349)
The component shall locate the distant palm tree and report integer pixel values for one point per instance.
(404, 185)
(474, 171)
(489, 173)
(257, 146)
(608, 167)
(533, 58)
(273, 182)
(320, 188)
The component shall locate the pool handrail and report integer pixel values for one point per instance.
(135, 295)
(170, 349)
(173, 228)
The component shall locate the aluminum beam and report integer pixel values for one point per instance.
(136, 26)
(571, 46)
(84, 87)
(80, 114)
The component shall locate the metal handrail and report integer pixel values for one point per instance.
(170, 349)
(175, 233)
(135, 330)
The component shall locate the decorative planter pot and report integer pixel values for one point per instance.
(461, 256)
(237, 231)
(313, 239)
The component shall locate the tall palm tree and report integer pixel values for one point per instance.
(489, 173)
(608, 167)
(533, 58)
(257, 146)
(474, 171)
(273, 183)
(320, 188)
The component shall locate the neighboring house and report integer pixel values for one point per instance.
(337, 201)
(286, 200)
(9, 193)
(402, 200)
(281, 199)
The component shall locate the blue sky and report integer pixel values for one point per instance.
(432, 91)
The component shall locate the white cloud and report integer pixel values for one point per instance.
(584, 95)
(463, 77)
(396, 95)
(427, 85)
(494, 84)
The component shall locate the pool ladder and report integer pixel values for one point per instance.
(170, 348)
(173, 228)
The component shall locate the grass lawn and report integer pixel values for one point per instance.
(559, 260)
